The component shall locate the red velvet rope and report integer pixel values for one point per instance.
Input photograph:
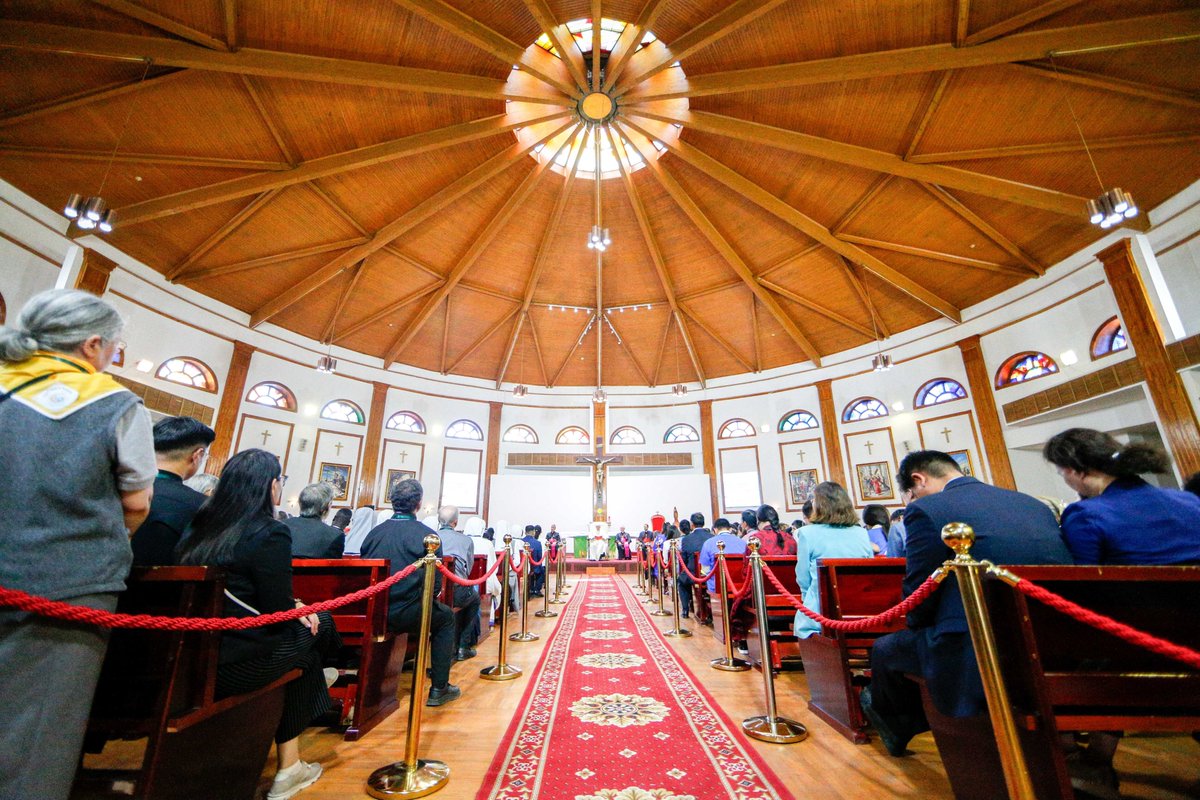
(453, 577)
(22, 601)
(887, 617)
(535, 562)
(692, 575)
(731, 584)
(1109, 625)
(520, 570)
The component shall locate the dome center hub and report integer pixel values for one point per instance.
(597, 107)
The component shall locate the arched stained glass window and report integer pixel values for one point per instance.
(735, 429)
(572, 435)
(627, 435)
(272, 394)
(188, 372)
(864, 408)
(405, 421)
(939, 390)
(797, 421)
(1024, 367)
(1109, 338)
(464, 429)
(343, 411)
(680, 432)
(521, 434)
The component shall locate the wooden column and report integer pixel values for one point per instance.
(492, 464)
(980, 382)
(1167, 392)
(370, 457)
(94, 272)
(227, 412)
(708, 449)
(829, 427)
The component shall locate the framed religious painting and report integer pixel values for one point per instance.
(394, 477)
(875, 481)
(801, 483)
(963, 459)
(337, 476)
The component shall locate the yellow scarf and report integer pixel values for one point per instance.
(55, 385)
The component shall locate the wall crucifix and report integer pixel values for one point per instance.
(870, 448)
(266, 435)
(338, 447)
(946, 432)
(599, 463)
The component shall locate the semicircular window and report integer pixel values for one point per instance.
(464, 429)
(680, 432)
(521, 434)
(274, 395)
(1023, 367)
(735, 429)
(939, 390)
(627, 435)
(343, 411)
(797, 421)
(864, 408)
(1108, 339)
(572, 435)
(188, 372)
(405, 421)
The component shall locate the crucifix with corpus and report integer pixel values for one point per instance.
(599, 462)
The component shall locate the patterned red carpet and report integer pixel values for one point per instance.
(611, 714)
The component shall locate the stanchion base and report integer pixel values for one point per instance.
(398, 780)
(557, 602)
(528, 636)
(545, 613)
(500, 672)
(661, 614)
(680, 633)
(730, 664)
(778, 730)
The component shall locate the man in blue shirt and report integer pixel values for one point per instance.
(708, 552)
(537, 575)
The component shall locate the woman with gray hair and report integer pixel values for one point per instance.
(78, 456)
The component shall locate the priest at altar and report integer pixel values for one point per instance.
(598, 541)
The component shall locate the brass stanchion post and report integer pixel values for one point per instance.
(525, 635)
(565, 584)
(678, 632)
(546, 612)
(640, 571)
(651, 564)
(644, 569)
(661, 579)
(415, 777)
(772, 727)
(959, 537)
(727, 663)
(558, 578)
(502, 671)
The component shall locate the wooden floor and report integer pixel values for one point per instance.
(465, 734)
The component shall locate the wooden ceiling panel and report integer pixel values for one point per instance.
(897, 310)
(36, 78)
(425, 350)
(725, 315)
(715, 358)
(246, 291)
(1100, 10)
(203, 15)
(309, 317)
(570, 274)
(163, 243)
(506, 269)
(557, 333)
(629, 274)
(1175, 66)
(75, 14)
(946, 279)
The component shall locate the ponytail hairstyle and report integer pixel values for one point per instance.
(1087, 450)
(241, 502)
(59, 320)
(769, 515)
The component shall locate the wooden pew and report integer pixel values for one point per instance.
(161, 685)
(371, 695)
(478, 570)
(736, 564)
(837, 664)
(781, 615)
(1063, 675)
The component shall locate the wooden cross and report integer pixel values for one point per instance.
(266, 435)
(946, 432)
(870, 448)
(801, 454)
(338, 447)
(403, 455)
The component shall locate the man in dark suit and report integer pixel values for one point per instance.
(537, 575)
(402, 540)
(689, 548)
(180, 448)
(1010, 528)
(312, 538)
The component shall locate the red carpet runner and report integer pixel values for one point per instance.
(611, 714)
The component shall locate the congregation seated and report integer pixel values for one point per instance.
(466, 598)
(362, 522)
(896, 535)
(312, 538)
(235, 530)
(734, 545)
(876, 521)
(341, 521)
(772, 541)
(689, 548)
(833, 532)
(180, 447)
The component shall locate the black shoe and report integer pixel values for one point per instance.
(439, 697)
(463, 653)
(685, 615)
(896, 742)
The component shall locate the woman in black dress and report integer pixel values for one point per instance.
(236, 529)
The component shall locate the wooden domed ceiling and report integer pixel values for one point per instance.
(371, 172)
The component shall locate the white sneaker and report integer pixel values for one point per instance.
(331, 676)
(294, 783)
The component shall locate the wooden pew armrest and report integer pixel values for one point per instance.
(197, 715)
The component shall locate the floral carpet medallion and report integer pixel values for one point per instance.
(610, 660)
(603, 616)
(606, 634)
(621, 710)
(634, 793)
(603, 605)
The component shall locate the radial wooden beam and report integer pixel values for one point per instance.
(571, 354)
(1074, 145)
(327, 165)
(229, 19)
(85, 97)
(810, 227)
(466, 27)
(1144, 91)
(222, 233)
(386, 311)
(541, 259)
(479, 342)
(537, 348)
(931, 107)
(267, 63)
(479, 245)
(597, 17)
(698, 321)
(725, 249)
(962, 19)
(266, 261)
(1021, 20)
(398, 227)
(268, 119)
(164, 159)
(755, 333)
(876, 160)
(562, 40)
(630, 38)
(629, 352)
(653, 61)
(662, 347)
(937, 255)
(163, 23)
(336, 207)
(870, 194)
(828, 313)
(1137, 31)
(445, 336)
(331, 325)
(860, 288)
(656, 256)
(980, 224)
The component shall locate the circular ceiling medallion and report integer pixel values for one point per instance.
(597, 107)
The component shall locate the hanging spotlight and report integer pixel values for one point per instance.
(1111, 207)
(106, 221)
(599, 396)
(598, 239)
(520, 390)
(327, 364)
(74, 204)
(679, 390)
(881, 362)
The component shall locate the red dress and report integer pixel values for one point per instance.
(774, 543)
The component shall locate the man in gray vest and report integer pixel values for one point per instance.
(466, 598)
(312, 538)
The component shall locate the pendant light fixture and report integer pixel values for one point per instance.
(881, 361)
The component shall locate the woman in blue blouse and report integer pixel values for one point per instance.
(833, 533)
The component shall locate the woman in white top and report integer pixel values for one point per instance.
(834, 533)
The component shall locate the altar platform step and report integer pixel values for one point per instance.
(579, 566)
